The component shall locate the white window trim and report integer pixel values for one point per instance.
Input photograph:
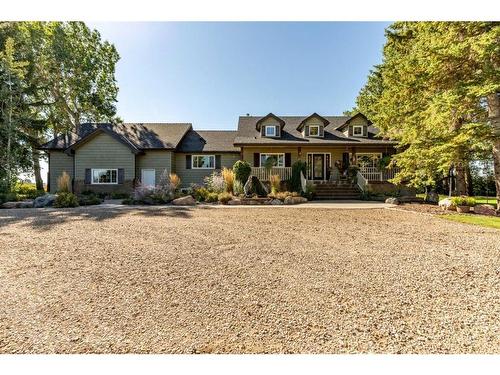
(195, 156)
(271, 153)
(270, 127)
(103, 183)
(317, 127)
(357, 127)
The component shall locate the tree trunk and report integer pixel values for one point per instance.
(460, 184)
(37, 169)
(468, 180)
(494, 116)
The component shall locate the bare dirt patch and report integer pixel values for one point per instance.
(191, 280)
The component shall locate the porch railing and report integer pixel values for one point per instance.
(264, 174)
(375, 174)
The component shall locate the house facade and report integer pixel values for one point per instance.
(116, 157)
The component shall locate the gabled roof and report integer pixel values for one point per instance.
(98, 130)
(249, 135)
(348, 121)
(208, 141)
(141, 136)
(269, 115)
(314, 115)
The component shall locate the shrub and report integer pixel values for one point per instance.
(463, 201)
(310, 190)
(215, 182)
(199, 193)
(64, 183)
(9, 197)
(28, 191)
(212, 197)
(238, 187)
(128, 201)
(228, 176)
(89, 200)
(118, 195)
(242, 171)
(275, 182)
(175, 181)
(225, 197)
(66, 199)
(297, 167)
(141, 192)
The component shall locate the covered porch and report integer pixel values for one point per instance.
(329, 165)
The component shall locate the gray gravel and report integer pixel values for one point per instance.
(206, 280)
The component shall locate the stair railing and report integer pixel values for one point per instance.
(361, 181)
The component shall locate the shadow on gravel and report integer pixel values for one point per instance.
(43, 219)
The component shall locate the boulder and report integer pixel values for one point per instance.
(235, 202)
(485, 209)
(447, 204)
(26, 204)
(11, 205)
(294, 200)
(432, 198)
(188, 200)
(392, 200)
(46, 200)
(254, 186)
(276, 201)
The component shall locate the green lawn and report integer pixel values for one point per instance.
(479, 199)
(486, 221)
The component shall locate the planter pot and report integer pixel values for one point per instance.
(463, 209)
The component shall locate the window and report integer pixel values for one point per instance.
(270, 131)
(277, 160)
(314, 130)
(203, 161)
(104, 176)
(357, 130)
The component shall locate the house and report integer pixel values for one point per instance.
(107, 157)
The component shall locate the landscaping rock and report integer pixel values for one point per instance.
(432, 198)
(276, 201)
(235, 202)
(26, 204)
(188, 200)
(294, 200)
(485, 209)
(392, 201)
(447, 204)
(11, 205)
(46, 200)
(254, 186)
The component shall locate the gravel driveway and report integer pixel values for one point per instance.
(205, 280)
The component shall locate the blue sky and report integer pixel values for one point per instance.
(211, 73)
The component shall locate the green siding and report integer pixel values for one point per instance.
(103, 151)
(196, 176)
(159, 160)
(59, 162)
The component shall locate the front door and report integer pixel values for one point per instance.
(148, 178)
(318, 167)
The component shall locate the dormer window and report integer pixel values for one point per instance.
(357, 130)
(314, 130)
(270, 131)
